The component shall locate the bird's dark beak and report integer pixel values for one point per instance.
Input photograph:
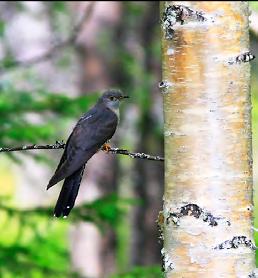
(123, 97)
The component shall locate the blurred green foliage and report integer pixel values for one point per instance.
(33, 243)
(29, 245)
(104, 211)
(58, 6)
(17, 105)
(142, 272)
(253, 5)
(2, 28)
(35, 254)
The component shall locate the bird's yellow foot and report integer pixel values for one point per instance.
(106, 148)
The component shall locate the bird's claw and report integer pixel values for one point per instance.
(106, 148)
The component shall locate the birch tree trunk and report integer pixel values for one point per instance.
(207, 215)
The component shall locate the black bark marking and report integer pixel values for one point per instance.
(181, 14)
(235, 242)
(195, 211)
(242, 58)
(167, 264)
(164, 85)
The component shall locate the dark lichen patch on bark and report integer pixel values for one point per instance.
(195, 211)
(242, 58)
(181, 14)
(164, 86)
(236, 242)
(252, 275)
(167, 264)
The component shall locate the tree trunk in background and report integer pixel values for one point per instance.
(93, 253)
(148, 177)
(207, 216)
(139, 130)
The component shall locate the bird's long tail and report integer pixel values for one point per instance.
(68, 193)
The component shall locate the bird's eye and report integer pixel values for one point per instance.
(112, 98)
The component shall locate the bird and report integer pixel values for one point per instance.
(93, 130)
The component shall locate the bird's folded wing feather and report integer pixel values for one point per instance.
(90, 133)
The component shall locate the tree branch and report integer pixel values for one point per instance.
(136, 155)
(61, 145)
(56, 47)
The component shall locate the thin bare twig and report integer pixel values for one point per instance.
(61, 145)
(52, 50)
(136, 155)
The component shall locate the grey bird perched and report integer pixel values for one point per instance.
(92, 131)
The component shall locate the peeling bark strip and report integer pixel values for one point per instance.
(207, 134)
(195, 211)
(178, 13)
(236, 242)
(242, 58)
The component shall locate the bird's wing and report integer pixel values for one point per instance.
(85, 117)
(90, 133)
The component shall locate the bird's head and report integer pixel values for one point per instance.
(112, 98)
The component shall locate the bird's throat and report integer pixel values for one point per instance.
(116, 111)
